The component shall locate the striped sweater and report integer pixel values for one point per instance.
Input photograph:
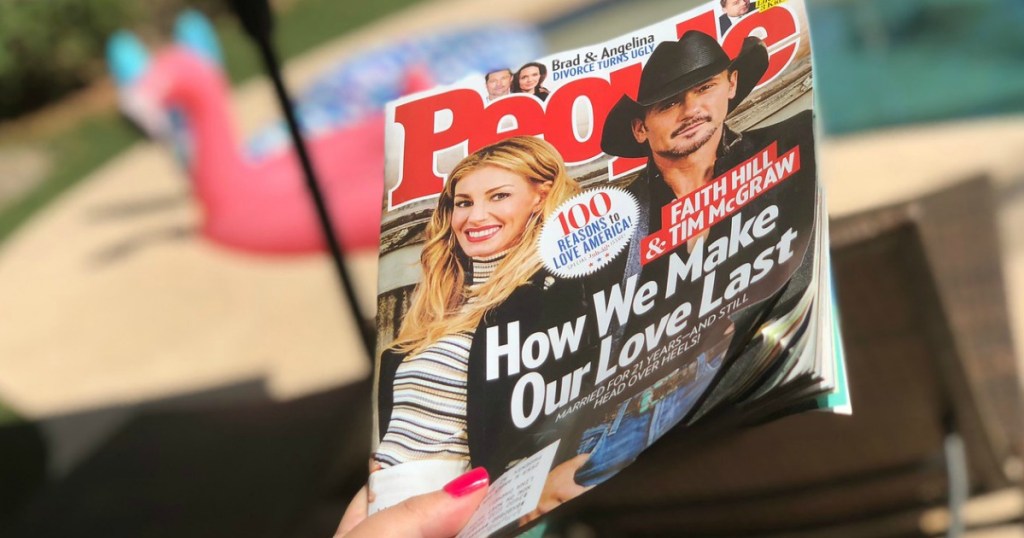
(428, 418)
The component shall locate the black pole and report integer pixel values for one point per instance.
(256, 18)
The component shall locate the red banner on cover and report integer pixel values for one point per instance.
(686, 217)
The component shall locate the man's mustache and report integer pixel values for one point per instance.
(690, 123)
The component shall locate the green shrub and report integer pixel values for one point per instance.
(48, 47)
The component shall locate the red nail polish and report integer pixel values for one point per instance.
(468, 482)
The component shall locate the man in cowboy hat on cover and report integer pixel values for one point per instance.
(687, 90)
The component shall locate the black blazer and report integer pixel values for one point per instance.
(724, 22)
(795, 198)
(494, 442)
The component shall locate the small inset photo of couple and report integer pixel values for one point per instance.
(527, 79)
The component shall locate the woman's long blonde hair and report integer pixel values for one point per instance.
(437, 304)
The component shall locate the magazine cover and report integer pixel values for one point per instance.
(582, 251)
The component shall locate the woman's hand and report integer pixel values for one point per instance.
(440, 514)
(559, 487)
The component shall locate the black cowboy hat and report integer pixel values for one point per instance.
(674, 67)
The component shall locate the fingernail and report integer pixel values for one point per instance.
(467, 483)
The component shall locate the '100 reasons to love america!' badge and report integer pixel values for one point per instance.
(587, 231)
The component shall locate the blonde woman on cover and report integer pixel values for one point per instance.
(438, 415)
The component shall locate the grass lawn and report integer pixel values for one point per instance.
(7, 415)
(80, 147)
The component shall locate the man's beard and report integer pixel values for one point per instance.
(686, 151)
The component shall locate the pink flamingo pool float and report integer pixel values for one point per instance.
(263, 205)
(257, 200)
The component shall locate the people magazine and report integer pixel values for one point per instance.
(591, 250)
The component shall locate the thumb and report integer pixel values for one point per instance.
(440, 514)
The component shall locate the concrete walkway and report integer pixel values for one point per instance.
(109, 297)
